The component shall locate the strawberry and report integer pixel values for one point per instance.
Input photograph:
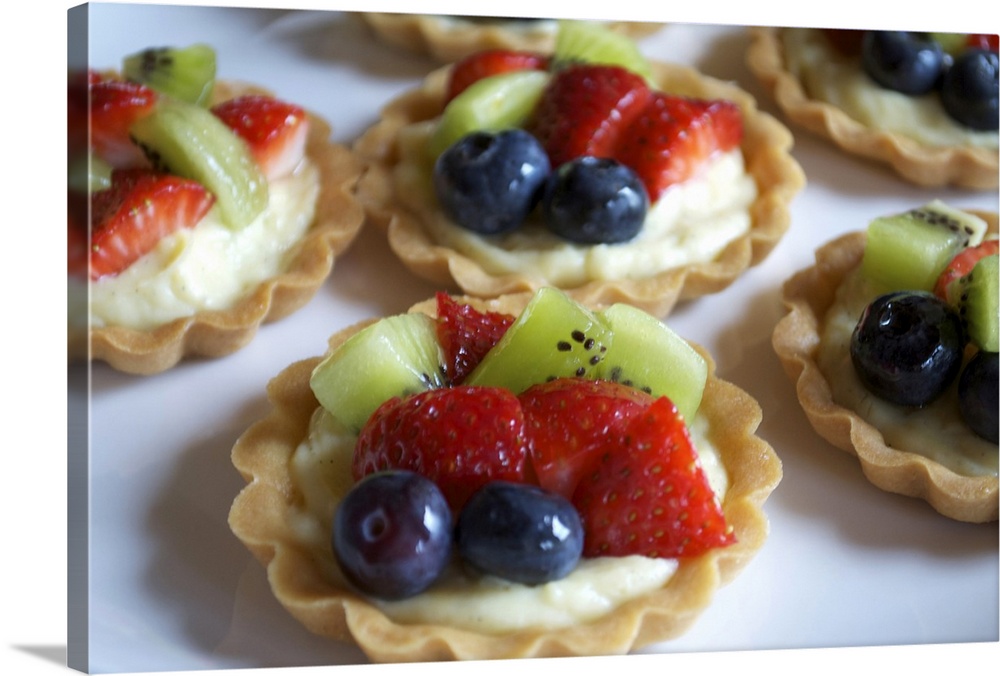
(584, 109)
(466, 335)
(114, 106)
(987, 41)
(674, 136)
(570, 420)
(490, 62)
(274, 130)
(647, 494)
(962, 264)
(76, 242)
(79, 83)
(459, 437)
(140, 208)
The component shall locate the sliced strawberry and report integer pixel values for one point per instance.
(466, 335)
(490, 62)
(275, 130)
(570, 420)
(459, 437)
(674, 136)
(962, 264)
(139, 209)
(78, 103)
(114, 106)
(649, 495)
(987, 41)
(584, 109)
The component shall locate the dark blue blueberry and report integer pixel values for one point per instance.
(969, 89)
(978, 396)
(392, 534)
(907, 347)
(593, 200)
(519, 532)
(489, 182)
(905, 62)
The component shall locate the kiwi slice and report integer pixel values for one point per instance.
(595, 43)
(87, 173)
(952, 43)
(553, 337)
(909, 251)
(975, 297)
(184, 73)
(493, 103)
(649, 356)
(189, 141)
(395, 356)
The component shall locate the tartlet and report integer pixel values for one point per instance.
(808, 295)
(215, 333)
(766, 154)
(450, 38)
(921, 163)
(306, 582)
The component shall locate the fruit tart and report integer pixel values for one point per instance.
(891, 340)
(213, 207)
(510, 171)
(462, 482)
(924, 104)
(450, 38)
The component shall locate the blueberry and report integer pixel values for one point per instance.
(392, 534)
(519, 532)
(593, 200)
(489, 182)
(978, 395)
(907, 347)
(902, 61)
(969, 89)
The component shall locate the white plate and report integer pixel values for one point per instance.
(172, 589)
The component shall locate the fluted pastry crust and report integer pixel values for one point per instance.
(262, 513)
(919, 163)
(807, 296)
(449, 39)
(216, 333)
(766, 151)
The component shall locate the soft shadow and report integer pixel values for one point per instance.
(50, 653)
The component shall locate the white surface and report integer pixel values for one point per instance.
(171, 589)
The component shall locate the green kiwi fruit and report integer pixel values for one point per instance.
(595, 43)
(395, 356)
(553, 337)
(188, 140)
(909, 251)
(184, 73)
(649, 356)
(493, 103)
(975, 297)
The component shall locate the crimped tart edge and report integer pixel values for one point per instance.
(259, 514)
(767, 152)
(923, 165)
(446, 42)
(217, 333)
(807, 296)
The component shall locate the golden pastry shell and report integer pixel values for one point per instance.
(923, 165)
(217, 333)
(260, 518)
(766, 149)
(449, 39)
(807, 296)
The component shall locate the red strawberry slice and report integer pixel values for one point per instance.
(114, 106)
(459, 437)
(78, 105)
(674, 136)
(570, 420)
(987, 41)
(649, 495)
(962, 264)
(490, 62)
(584, 109)
(275, 131)
(466, 335)
(140, 208)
